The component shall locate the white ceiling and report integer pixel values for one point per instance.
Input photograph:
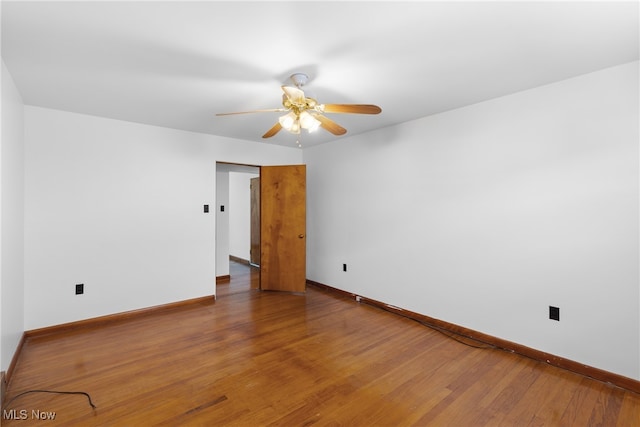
(177, 64)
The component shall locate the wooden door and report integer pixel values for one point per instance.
(283, 228)
(254, 254)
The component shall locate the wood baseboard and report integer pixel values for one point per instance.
(117, 317)
(223, 279)
(553, 360)
(239, 260)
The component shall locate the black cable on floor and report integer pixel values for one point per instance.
(53, 392)
(449, 334)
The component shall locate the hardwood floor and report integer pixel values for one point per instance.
(255, 358)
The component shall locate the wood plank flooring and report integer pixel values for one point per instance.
(256, 358)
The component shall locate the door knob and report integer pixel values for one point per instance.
(300, 236)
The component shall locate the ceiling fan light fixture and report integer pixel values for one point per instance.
(314, 127)
(308, 122)
(288, 121)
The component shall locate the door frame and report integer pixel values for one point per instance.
(243, 167)
(229, 167)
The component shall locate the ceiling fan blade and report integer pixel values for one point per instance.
(268, 110)
(295, 95)
(275, 129)
(330, 125)
(352, 108)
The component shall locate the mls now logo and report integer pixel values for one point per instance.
(23, 414)
(14, 414)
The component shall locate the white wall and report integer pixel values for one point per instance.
(12, 220)
(222, 223)
(3, 69)
(118, 206)
(240, 214)
(487, 215)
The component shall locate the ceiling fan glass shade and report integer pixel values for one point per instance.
(290, 122)
(307, 121)
(287, 120)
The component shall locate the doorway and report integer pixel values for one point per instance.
(232, 211)
(278, 198)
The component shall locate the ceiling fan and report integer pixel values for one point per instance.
(305, 112)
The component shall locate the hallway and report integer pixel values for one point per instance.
(244, 278)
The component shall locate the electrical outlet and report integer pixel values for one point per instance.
(554, 313)
(80, 289)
